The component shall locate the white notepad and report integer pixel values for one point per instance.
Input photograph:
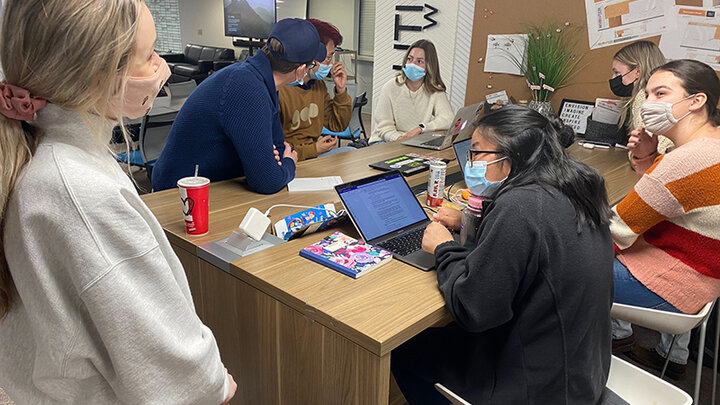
(314, 183)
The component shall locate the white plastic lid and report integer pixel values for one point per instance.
(191, 182)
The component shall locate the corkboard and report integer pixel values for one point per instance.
(509, 17)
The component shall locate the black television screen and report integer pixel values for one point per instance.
(249, 18)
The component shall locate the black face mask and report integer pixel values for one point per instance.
(619, 88)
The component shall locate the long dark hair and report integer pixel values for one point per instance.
(535, 145)
(697, 77)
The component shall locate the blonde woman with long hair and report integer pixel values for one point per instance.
(94, 305)
(414, 101)
(631, 67)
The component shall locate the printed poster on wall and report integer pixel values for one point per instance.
(612, 22)
(698, 3)
(695, 35)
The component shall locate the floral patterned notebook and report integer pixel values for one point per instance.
(347, 255)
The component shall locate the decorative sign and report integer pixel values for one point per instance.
(574, 113)
(400, 27)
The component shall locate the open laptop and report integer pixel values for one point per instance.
(387, 214)
(461, 148)
(441, 141)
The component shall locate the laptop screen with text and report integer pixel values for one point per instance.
(382, 205)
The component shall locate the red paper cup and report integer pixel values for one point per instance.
(194, 193)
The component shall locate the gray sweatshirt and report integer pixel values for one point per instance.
(103, 312)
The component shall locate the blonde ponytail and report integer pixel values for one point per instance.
(17, 143)
(74, 54)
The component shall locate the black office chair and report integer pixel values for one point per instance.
(153, 134)
(355, 128)
(180, 90)
(356, 120)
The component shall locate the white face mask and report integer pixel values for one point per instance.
(658, 116)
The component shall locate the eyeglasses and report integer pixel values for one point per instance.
(471, 153)
(311, 66)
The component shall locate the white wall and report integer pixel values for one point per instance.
(341, 13)
(202, 22)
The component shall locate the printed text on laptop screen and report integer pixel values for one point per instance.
(382, 206)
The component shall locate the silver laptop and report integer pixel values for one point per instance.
(387, 214)
(459, 126)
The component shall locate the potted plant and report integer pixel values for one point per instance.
(549, 62)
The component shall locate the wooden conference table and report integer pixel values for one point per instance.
(295, 332)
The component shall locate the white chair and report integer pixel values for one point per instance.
(672, 323)
(637, 386)
(633, 384)
(451, 396)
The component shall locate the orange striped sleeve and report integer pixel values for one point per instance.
(637, 214)
(656, 162)
(700, 189)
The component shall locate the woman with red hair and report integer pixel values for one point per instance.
(306, 106)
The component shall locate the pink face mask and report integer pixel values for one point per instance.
(140, 92)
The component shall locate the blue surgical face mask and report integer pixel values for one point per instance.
(298, 82)
(476, 181)
(413, 72)
(322, 72)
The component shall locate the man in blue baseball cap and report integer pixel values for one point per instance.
(230, 124)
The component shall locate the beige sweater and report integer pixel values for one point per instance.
(400, 110)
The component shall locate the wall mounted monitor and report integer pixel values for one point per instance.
(249, 18)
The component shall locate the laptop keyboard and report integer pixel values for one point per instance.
(438, 141)
(404, 244)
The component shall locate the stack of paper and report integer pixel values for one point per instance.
(314, 183)
(607, 111)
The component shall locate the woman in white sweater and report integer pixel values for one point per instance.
(415, 100)
(94, 305)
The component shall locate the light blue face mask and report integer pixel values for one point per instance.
(413, 72)
(476, 181)
(321, 73)
(299, 82)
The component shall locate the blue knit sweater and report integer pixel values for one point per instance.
(228, 126)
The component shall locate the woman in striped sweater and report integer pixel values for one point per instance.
(667, 230)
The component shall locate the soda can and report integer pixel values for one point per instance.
(436, 183)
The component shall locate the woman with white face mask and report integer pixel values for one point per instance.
(414, 101)
(94, 304)
(543, 256)
(666, 229)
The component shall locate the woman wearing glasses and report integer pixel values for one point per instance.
(531, 302)
(415, 100)
(306, 106)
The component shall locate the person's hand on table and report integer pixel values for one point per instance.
(233, 388)
(641, 144)
(450, 218)
(325, 144)
(435, 234)
(277, 156)
(339, 77)
(290, 153)
(413, 132)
